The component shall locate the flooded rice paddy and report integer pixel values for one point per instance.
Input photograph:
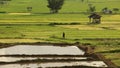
(41, 50)
(21, 56)
(56, 64)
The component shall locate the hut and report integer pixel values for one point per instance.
(95, 18)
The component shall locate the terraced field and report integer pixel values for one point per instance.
(17, 25)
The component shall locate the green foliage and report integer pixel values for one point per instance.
(29, 9)
(27, 31)
(70, 6)
(92, 8)
(55, 5)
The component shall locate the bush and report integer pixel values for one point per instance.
(3, 12)
(74, 23)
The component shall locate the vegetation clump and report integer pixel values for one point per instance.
(55, 5)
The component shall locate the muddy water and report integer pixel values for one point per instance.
(41, 50)
(56, 64)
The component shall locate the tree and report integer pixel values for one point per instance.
(29, 9)
(92, 8)
(55, 5)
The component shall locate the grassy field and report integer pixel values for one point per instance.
(45, 18)
(72, 11)
(40, 6)
(51, 32)
(18, 26)
(106, 37)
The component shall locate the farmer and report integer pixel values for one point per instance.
(63, 35)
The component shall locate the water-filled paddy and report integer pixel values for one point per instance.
(56, 64)
(21, 56)
(41, 50)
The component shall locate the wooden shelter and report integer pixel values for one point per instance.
(95, 18)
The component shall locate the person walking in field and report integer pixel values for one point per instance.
(63, 35)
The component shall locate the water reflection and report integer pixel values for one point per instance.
(41, 50)
(45, 50)
(56, 64)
